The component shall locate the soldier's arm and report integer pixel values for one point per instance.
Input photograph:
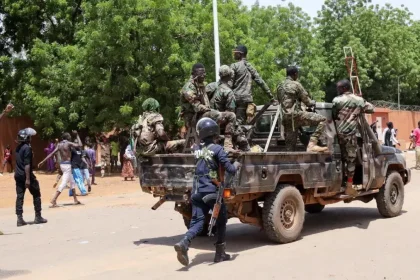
(304, 96)
(222, 158)
(230, 101)
(368, 108)
(160, 131)
(257, 78)
(335, 109)
(232, 78)
(191, 96)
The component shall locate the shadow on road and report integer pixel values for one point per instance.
(241, 237)
(12, 273)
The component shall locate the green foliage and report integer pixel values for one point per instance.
(78, 64)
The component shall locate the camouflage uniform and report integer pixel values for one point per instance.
(152, 138)
(241, 83)
(346, 110)
(195, 105)
(291, 94)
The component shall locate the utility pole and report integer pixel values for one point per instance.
(216, 39)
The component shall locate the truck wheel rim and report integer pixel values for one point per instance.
(288, 212)
(394, 194)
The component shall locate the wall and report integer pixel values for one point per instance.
(9, 128)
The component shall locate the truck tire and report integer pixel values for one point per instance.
(314, 208)
(390, 198)
(283, 214)
(205, 228)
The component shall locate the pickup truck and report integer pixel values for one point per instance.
(273, 189)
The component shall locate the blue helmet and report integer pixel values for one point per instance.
(207, 127)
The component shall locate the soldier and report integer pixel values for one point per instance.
(291, 94)
(243, 74)
(209, 157)
(151, 134)
(195, 105)
(223, 100)
(346, 110)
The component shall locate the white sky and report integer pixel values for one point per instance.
(312, 6)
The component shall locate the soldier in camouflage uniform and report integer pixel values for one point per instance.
(196, 105)
(241, 82)
(223, 100)
(152, 138)
(347, 108)
(291, 94)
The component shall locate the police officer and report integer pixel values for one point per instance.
(209, 156)
(25, 178)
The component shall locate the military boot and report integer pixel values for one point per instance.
(350, 190)
(181, 249)
(39, 219)
(20, 221)
(228, 145)
(314, 148)
(220, 253)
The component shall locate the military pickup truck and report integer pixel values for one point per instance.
(273, 189)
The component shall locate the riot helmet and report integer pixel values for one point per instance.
(24, 135)
(207, 127)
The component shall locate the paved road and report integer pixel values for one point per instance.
(119, 237)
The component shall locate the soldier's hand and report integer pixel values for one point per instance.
(9, 108)
(274, 102)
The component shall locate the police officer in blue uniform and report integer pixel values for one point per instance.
(209, 156)
(25, 178)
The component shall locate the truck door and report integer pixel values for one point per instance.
(367, 155)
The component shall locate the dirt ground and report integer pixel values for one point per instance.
(115, 235)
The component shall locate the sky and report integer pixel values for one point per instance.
(312, 6)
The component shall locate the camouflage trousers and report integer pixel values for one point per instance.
(244, 111)
(226, 119)
(162, 147)
(348, 147)
(292, 123)
(418, 157)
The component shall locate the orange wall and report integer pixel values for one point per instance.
(9, 128)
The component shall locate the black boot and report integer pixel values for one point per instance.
(181, 249)
(220, 253)
(20, 221)
(39, 219)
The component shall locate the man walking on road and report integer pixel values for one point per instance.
(64, 149)
(25, 178)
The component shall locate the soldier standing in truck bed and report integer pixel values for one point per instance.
(291, 94)
(346, 110)
(223, 100)
(241, 83)
(196, 105)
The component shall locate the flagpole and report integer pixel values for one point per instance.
(216, 39)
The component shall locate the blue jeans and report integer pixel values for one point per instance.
(78, 178)
(199, 212)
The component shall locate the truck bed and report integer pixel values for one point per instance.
(259, 172)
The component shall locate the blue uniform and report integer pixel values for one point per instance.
(208, 159)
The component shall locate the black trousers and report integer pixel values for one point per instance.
(20, 195)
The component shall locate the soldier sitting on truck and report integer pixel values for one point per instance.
(223, 100)
(346, 110)
(291, 94)
(150, 132)
(196, 105)
(209, 158)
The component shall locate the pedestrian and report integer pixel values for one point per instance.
(241, 82)
(115, 149)
(291, 95)
(25, 178)
(347, 107)
(417, 137)
(50, 162)
(412, 141)
(77, 166)
(105, 156)
(389, 136)
(209, 157)
(128, 169)
(7, 159)
(92, 157)
(64, 150)
(86, 166)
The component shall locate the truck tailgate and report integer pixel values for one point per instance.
(167, 174)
